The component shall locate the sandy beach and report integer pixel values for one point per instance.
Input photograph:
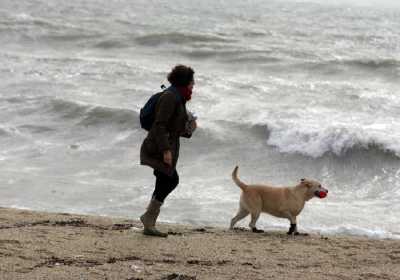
(37, 245)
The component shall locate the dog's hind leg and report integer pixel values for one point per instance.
(242, 213)
(254, 218)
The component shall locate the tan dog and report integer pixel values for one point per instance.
(285, 202)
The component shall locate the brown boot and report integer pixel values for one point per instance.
(149, 219)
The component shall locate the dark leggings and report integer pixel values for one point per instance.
(164, 184)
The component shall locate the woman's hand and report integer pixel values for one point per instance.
(168, 157)
(191, 126)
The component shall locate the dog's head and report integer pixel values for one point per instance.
(314, 188)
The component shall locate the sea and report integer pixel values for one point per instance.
(283, 89)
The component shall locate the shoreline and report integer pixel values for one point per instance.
(42, 245)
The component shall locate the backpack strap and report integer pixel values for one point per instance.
(174, 90)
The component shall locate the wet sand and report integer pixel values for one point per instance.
(37, 245)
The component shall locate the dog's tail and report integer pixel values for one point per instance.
(237, 181)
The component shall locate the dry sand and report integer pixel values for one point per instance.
(36, 245)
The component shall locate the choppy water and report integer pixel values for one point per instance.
(284, 89)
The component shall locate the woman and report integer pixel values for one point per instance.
(160, 149)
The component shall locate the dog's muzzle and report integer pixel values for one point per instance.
(321, 194)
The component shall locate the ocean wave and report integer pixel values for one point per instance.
(111, 44)
(93, 115)
(56, 30)
(230, 56)
(73, 36)
(23, 19)
(379, 64)
(254, 59)
(338, 141)
(19, 131)
(179, 38)
(286, 138)
(35, 128)
(65, 109)
(373, 63)
(4, 132)
(99, 115)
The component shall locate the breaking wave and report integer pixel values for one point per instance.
(338, 141)
(312, 143)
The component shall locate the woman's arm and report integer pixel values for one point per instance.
(164, 110)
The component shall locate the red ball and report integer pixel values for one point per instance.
(322, 194)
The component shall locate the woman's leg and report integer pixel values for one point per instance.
(164, 185)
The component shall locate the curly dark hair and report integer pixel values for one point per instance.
(181, 76)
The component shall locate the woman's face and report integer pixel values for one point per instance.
(191, 85)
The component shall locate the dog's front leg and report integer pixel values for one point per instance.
(293, 226)
(293, 229)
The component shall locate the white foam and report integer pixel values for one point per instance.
(376, 233)
(316, 141)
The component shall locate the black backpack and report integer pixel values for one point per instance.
(147, 113)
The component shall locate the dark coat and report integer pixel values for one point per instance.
(168, 126)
